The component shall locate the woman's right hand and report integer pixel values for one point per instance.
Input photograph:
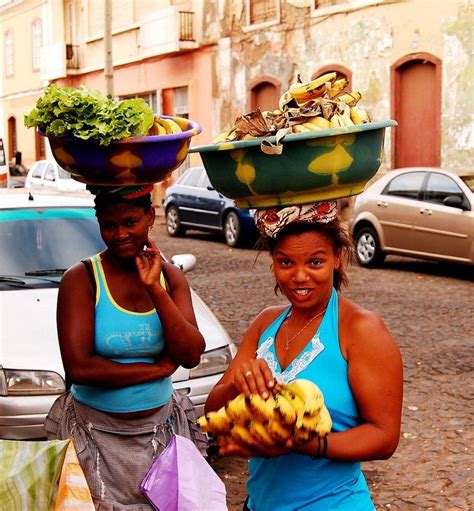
(254, 377)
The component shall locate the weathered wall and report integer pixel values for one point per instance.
(367, 41)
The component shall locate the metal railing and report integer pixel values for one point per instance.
(186, 26)
(72, 56)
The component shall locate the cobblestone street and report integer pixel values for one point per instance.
(428, 308)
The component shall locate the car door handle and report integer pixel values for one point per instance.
(382, 204)
(426, 211)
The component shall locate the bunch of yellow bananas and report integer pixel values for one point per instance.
(163, 126)
(320, 104)
(295, 411)
(327, 93)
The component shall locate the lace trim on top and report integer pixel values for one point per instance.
(300, 363)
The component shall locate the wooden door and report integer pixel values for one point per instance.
(265, 96)
(417, 100)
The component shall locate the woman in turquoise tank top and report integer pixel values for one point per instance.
(125, 323)
(326, 338)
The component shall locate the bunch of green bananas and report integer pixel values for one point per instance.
(296, 410)
(163, 126)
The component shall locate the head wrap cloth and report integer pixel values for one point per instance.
(272, 220)
(126, 192)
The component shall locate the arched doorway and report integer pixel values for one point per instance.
(342, 72)
(264, 94)
(416, 106)
(12, 140)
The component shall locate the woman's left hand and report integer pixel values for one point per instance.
(149, 264)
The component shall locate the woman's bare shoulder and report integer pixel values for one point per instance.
(360, 326)
(354, 314)
(268, 315)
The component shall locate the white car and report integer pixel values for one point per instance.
(49, 175)
(42, 234)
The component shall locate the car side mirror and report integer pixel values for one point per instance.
(210, 187)
(185, 262)
(454, 201)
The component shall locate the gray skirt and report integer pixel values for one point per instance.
(116, 454)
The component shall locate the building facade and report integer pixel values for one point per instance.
(212, 60)
(411, 59)
(22, 34)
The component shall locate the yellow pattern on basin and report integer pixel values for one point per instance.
(336, 161)
(64, 156)
(245, 172)
(182, 152)
(126, 160)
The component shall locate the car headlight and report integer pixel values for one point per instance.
(21, 382)
(212, 362)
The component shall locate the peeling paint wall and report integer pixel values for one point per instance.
(366, 40)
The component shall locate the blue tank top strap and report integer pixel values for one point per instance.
(101, 286)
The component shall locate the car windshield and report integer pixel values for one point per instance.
(469, 180)
(43, 241)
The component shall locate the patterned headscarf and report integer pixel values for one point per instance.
(126, 192)
(272, 220)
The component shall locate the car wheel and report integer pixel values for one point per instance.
(232, 229)
(368, 251)
(173, 222)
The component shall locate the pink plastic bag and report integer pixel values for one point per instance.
(180, 479)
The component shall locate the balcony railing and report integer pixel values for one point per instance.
(72, 56)
(186, 26)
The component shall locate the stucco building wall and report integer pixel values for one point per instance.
(367, 41)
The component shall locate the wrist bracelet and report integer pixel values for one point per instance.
(316, 455)
(325, 447)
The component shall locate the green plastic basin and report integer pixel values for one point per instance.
(313, 166)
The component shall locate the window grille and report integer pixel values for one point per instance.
(261, 11)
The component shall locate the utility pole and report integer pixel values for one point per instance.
(109, 66)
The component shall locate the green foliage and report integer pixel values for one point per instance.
(90, 115)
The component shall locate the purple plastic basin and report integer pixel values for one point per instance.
(131, 161)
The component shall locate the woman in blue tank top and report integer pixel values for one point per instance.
(326, 338)
(125, 323)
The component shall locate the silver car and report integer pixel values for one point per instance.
(420, 212)
(40, 236)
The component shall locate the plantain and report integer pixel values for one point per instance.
(285, 409)
(279, 432)
(350, 98)
(320, 122)
(359, 115)
(241, 435)
(260, 433)
(309, 393)
(312, 89)
(169, 125)
(217, 422)
(337, 87)
(262, 408)
(324, 424)
(237, 409)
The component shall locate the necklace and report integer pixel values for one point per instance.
(287, 345)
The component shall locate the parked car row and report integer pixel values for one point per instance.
(41, 235)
